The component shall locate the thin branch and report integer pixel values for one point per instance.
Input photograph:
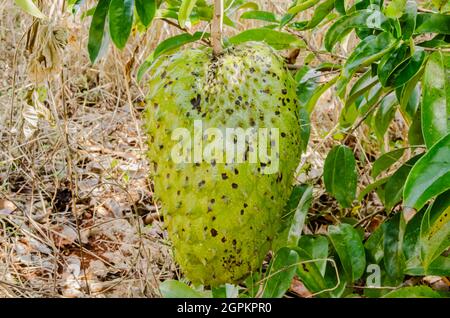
(216, 27)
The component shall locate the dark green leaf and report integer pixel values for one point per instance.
(349, 247)
(97, 36)
(430, 176)
(168, 45)
(317, 247)
(310, 274)
(364, 84)
(372, 97)
(384, 115)
(413, 292)
(409, 96)
(359, 19)
(307, 83)
(121, 21)
(408, 19)
(410, 67)
(146, 10)
(260, 15)
(340, 6)
(439, 267)
(415, 136)
(386, 160)
(390, 62)
(177, 289)
(374, 245)
(340, 175)
(294, 216)
(281, 272)
(394, 187)
(436, 98)
(369, 50)
(276, 39)
(394, 259)
(433, 23)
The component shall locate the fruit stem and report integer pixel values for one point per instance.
(216, 27)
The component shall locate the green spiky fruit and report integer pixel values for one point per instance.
(222, 215)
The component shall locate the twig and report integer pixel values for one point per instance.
(216, 27)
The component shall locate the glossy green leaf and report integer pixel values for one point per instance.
(408, 19)
(360, 19)
(430, 176)
(310, 274)
(435, 231)
(302, 6)
(340, 175)
(340, 6)
(98, 38)
(318, 16)
(385, 161)
(29, 7)
(393, 234)
(146, 10)
(433, 23)
(306, 83)
(394, 186)
(177, 289)
(410, 67)
(317, 247)
(439, 267)
(276, 39)
(409, 96)
(348, 245)
(413, 292)
(260, 15)
(371, 98)
(120, 21)
(294, 217)
(415, 136)
(374, 245)
(369, 50)
(319, 92)
(436, 98)
(390, 62)
(305, 128)
(299, 218)
(384, 115)
(282, 270)
(168, 45)
(362, 86)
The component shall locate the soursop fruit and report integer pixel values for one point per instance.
(222, 211)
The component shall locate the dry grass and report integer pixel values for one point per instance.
(77, 218)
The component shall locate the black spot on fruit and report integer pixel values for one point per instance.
(234, 185)
(213, 232)
(196, 102)
(224, 176)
